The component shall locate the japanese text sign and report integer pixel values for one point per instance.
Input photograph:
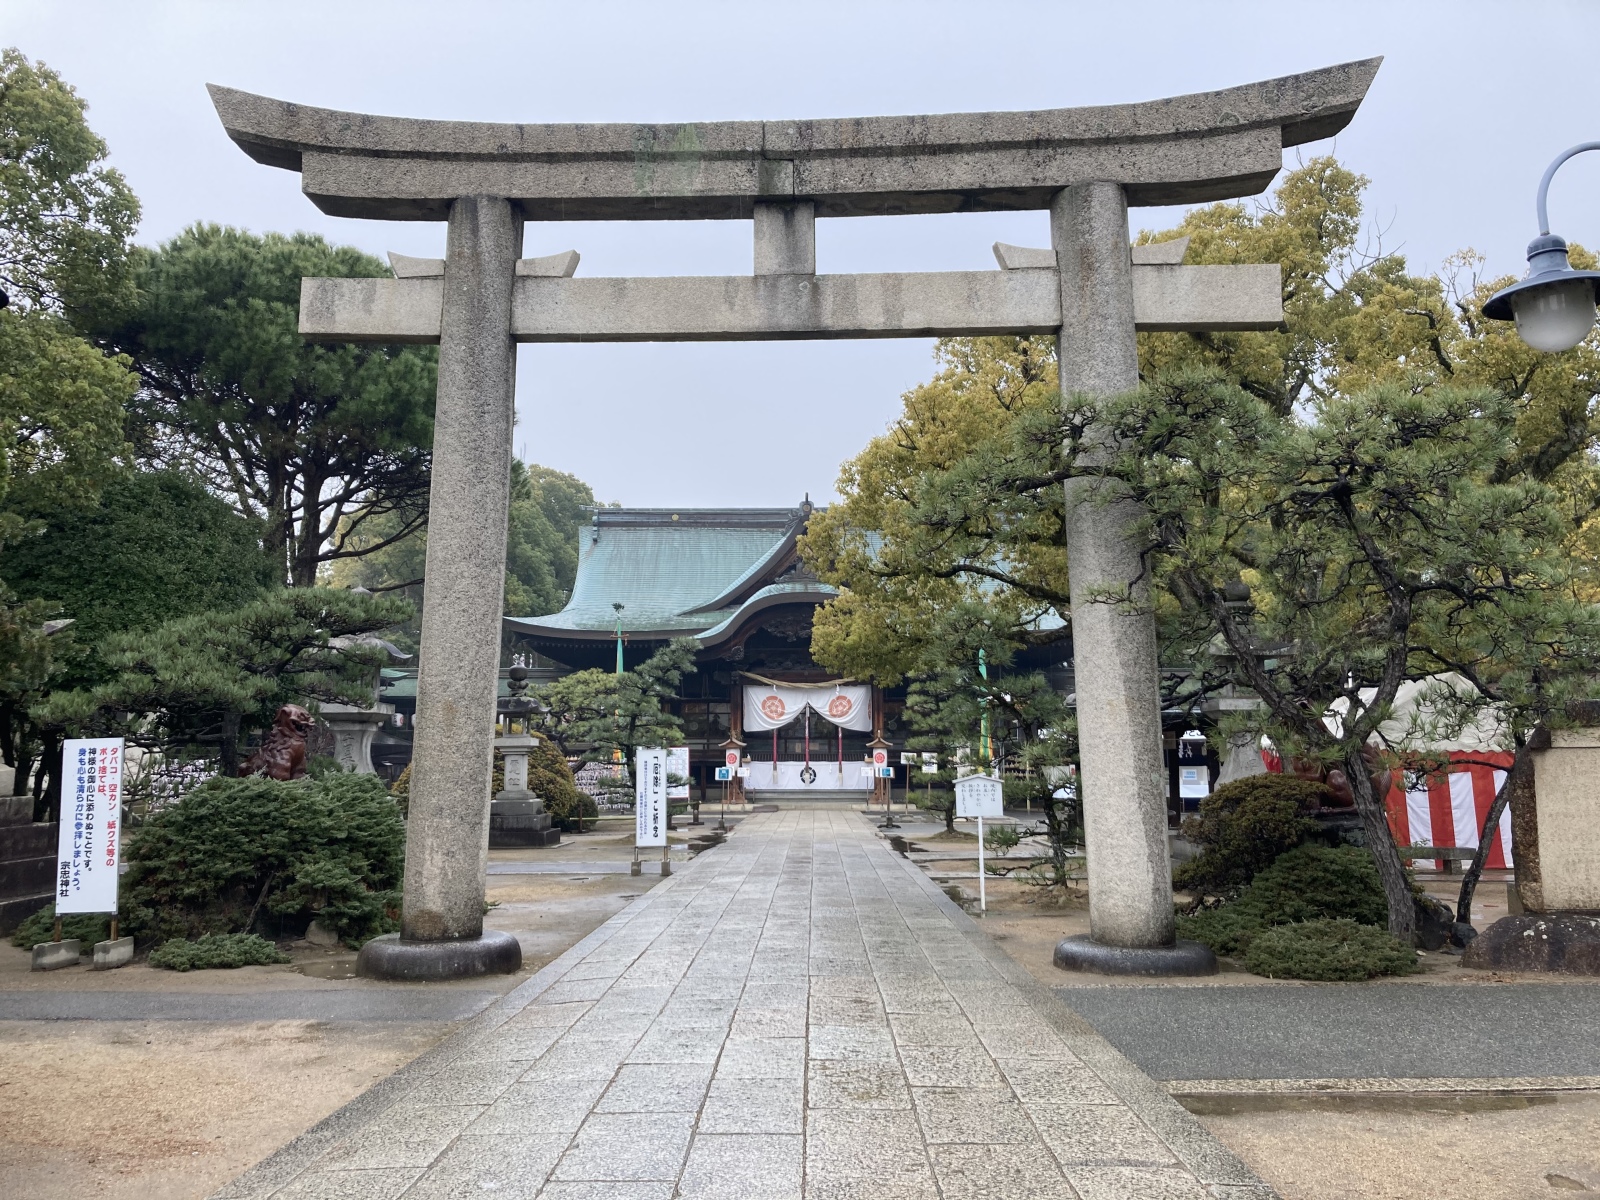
(979, 796)
(90, 843)
(650, 798)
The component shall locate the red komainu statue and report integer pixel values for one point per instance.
(282, 753)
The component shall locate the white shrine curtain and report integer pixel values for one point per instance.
(769, 704)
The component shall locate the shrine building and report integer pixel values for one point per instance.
(732, 579)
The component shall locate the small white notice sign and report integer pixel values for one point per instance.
(979, 796)
(678, 764)
(650, 798)
(90, 844)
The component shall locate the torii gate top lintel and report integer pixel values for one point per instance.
(1185, 149)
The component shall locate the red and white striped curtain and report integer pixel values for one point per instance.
(1448, 810)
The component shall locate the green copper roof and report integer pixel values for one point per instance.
(673, 570)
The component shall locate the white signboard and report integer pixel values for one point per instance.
(930, 763)
(979, 796)
(1194, 782)
(730, 758)
(650, 798)
(91, 825)
(678, 764)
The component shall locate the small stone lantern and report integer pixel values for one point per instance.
(517, 816)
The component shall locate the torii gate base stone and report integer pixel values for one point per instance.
(1086, 166)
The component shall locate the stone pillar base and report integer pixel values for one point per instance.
(515, 822)
(388, 957)
(113, 954)
(1568, 943)
(1083, 953)
(49, 956)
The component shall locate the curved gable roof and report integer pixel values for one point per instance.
(675, 571)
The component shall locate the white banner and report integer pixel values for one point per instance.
(805, 777)
(90, 843)
(650, 798)
(769, 705)
(678, 764)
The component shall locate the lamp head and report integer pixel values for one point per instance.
(1553, 305)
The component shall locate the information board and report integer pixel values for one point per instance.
(650, 798)
(90, 842)
(678, 764)
(725, 773)
(979, 796)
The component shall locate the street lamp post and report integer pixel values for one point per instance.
(1553, 305)
(618, 608)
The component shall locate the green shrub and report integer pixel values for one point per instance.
(550, 778)
(1228, 929)
(88, 928)
(319, 765)
(237, 855)
(1243, 826)
(1307, 883)
(1330, 950)
(1321, 881)
(216, 950)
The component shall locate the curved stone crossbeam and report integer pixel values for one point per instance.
(1186, 149)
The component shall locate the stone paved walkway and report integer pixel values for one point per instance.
(798, 1013)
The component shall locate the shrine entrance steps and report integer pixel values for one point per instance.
(811, 799)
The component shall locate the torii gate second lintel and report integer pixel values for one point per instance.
(1085, 165)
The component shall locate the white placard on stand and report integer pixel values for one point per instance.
(980, 796)
(678, 764)
(90, 843)
(650, 798)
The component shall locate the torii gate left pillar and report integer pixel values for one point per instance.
(1086, 166)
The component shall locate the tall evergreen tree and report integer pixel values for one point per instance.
(315, 441)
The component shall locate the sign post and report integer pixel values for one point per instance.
(980, 796)
(650, 806)
(88, 846)
(90, 843)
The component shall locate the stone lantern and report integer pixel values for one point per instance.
(355, 726)
(517, 816)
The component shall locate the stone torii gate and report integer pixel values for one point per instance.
(1085, 165)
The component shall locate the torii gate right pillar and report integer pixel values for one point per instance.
(1122, 780)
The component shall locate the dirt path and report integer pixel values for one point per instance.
(173, 1109)
(170, 1110)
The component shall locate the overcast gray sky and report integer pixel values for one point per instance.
(1472, 101)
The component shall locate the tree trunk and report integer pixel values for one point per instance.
(50, 771)
(1056, 825)
(228, 748)
(1375, 824)
(1521, 772)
